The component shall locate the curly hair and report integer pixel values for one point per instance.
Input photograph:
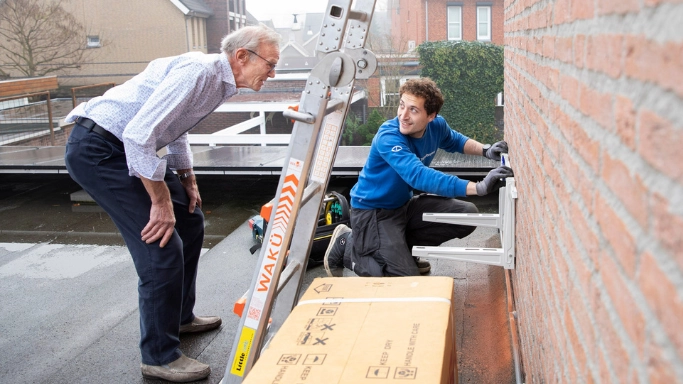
(426, 88)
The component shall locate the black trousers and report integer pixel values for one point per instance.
(166, 286)
(382, 239)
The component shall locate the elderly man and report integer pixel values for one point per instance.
(112, 154)
(386, 218)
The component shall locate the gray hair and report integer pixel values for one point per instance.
(249, 38)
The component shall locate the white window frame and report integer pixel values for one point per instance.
(455, 22)
(383, 89)
(487, 36)
(93, 41)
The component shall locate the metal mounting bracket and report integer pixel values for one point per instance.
(504, 221)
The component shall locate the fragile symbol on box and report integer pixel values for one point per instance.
(405, 373)
(315, 359)
(289, 359)
(378, 372)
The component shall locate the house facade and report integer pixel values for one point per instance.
(126, 35)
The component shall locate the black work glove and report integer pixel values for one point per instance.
(494, 180)
(496, 149)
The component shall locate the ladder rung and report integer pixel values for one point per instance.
(474, 219)
(286, 275)
(299, 116)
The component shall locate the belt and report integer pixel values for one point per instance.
(93, 127)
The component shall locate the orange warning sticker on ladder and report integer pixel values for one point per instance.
(278, 229)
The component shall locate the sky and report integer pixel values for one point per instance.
(280, 11)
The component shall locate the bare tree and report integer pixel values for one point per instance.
(38, 37)
(392, 56)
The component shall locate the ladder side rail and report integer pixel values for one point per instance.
(363, 63)
(304, 231)
(252, 328)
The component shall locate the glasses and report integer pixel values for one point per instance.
(271, 65)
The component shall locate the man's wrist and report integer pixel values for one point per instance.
(485, 149)
(185, 175)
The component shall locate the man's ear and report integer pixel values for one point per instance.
(431, 117)
(242, 55)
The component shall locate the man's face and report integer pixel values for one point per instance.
(261, 66)
(412, 115)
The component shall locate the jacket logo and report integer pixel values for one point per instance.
(396, 148)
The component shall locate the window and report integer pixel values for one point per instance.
(390, 86)
(484, 23)
(454, 23)
(94, 42)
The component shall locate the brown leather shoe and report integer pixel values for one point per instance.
(201, 324)
(181, 370)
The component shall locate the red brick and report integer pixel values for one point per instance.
(563, 49)
(604, 374)
(629, 187)
(579, 51)
(660, 143)
(619, 295)
(588, 239)
(569, 89)
(616, 354)
(548, 46)
(651, 3)
(597, 106)
(577, 178)
(625, 116)
(662, 297)
(648, 60)
(668, 226)
(604, 54)
(606, 7)
(583, 9)
(588, 148)
(561, 12)
(659, 369)
(617, 235)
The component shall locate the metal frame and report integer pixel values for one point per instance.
(504, 221)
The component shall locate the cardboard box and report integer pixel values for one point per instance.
(355, 330)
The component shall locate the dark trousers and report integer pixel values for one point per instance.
(382, 239)
(166, 286)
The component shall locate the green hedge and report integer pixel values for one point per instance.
(470, 75)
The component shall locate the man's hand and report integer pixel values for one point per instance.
(161, 218)
(494, 180)
(190, 184)
(496, 149)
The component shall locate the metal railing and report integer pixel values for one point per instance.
(21, 120)
(88, 87)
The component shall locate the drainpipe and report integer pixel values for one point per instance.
(426, 20)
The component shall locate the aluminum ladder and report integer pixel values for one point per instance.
(324, 103)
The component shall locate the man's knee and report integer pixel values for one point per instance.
(470, 208)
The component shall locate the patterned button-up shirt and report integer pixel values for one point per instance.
(157, 108)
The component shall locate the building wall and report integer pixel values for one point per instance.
(594, 119)
(133, 33)
(410, 23)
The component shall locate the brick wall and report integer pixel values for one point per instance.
(408, 20)
(594, 118)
